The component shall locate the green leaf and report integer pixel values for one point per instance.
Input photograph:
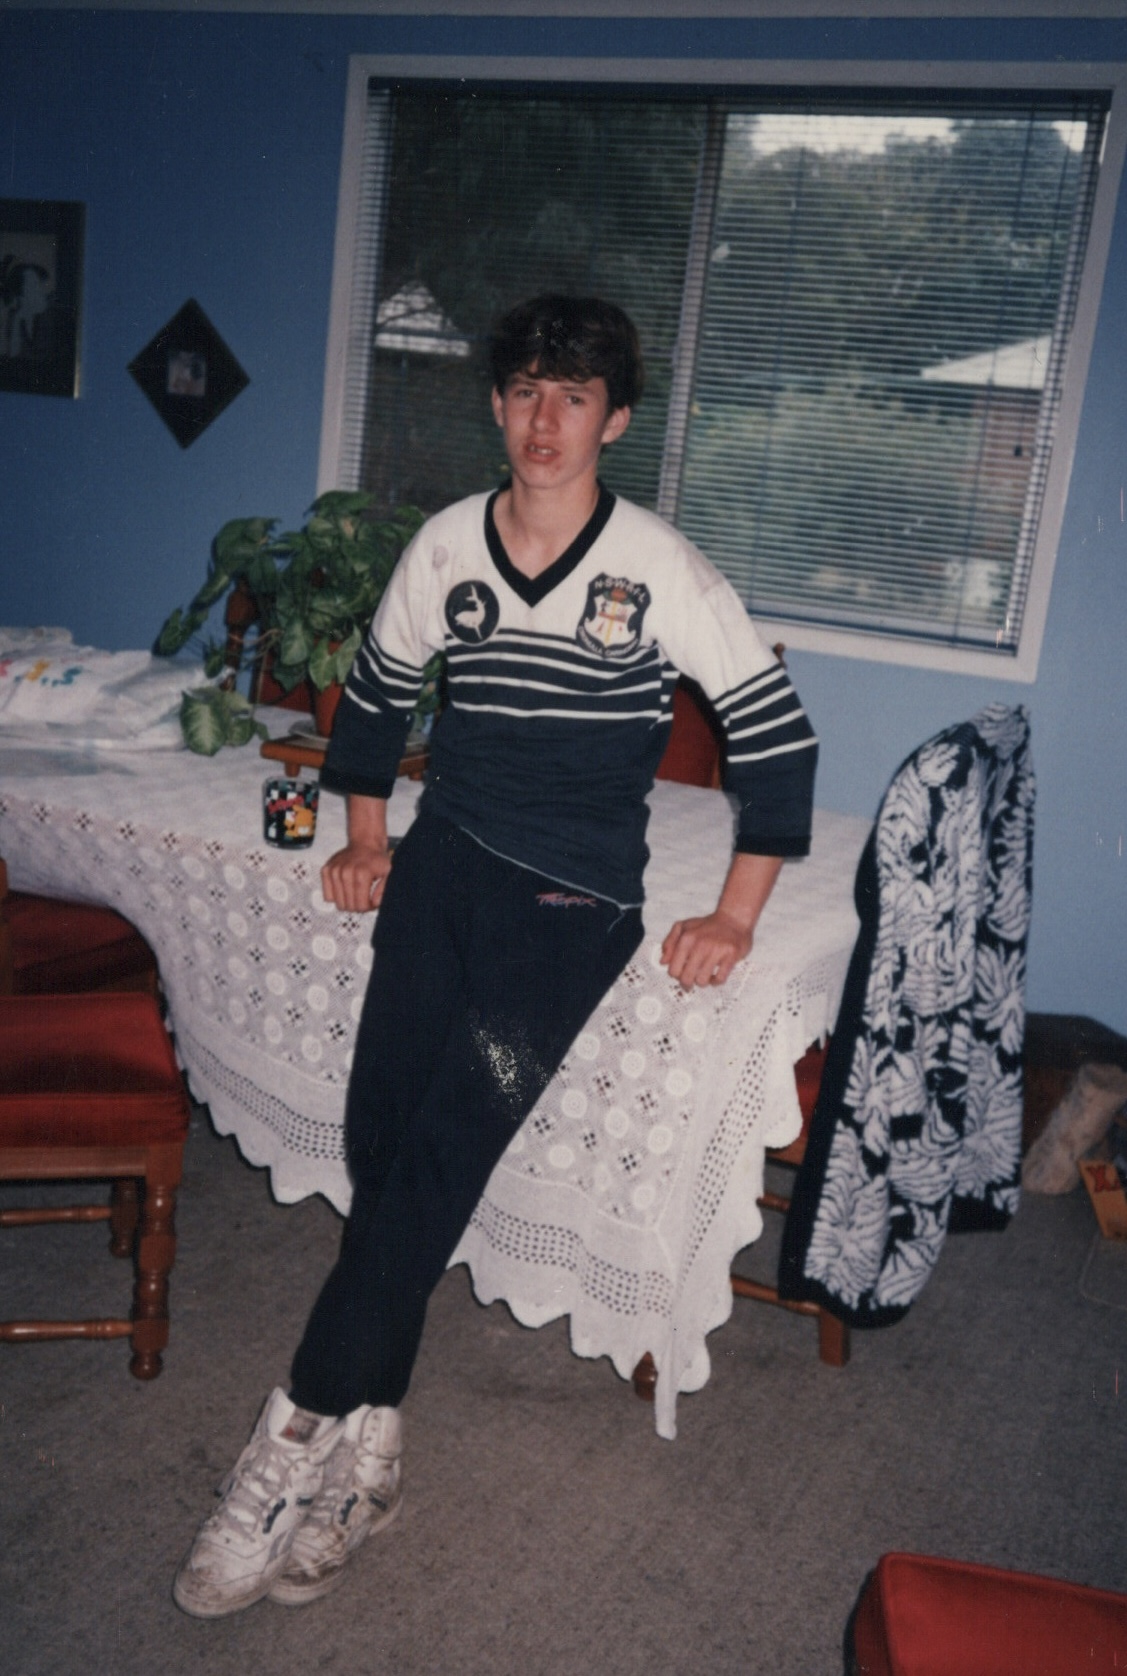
(203, 722)
(261, 574)
(175, 632)
(218, 583)
(214, 658)
(242, 728)
(341, 503)
(434, 676)
(318, 537)
(288, 675)
(321, 665)
(327, 614)
(296, 644)
(211, 717)
(239, 541)
(346, 653)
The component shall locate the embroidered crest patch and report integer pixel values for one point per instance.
(612, 620)
(472, 612)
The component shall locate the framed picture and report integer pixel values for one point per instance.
(188, 373)
(40, 295)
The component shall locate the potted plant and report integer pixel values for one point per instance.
(309, 595)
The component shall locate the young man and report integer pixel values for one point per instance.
(515, 898)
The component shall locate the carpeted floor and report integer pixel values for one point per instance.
(547, 1529)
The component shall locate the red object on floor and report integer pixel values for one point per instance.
(919, 1616)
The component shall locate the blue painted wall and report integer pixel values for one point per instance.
(206, 149)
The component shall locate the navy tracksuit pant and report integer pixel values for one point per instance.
(484, 974)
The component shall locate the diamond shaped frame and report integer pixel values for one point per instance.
(188, 373)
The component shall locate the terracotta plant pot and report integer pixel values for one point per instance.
(325, 707)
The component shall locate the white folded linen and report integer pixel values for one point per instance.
(58, 695)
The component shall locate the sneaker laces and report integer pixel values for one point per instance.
(369, 1460)
(339, 1472)
(251, 1488)
(354, 1459)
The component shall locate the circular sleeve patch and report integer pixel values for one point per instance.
(472, 612)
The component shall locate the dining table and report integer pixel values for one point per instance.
(624, 1196)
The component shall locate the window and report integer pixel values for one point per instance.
(856, 307)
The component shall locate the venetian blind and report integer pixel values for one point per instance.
(887, 300)
(854, 310)
(492, 198)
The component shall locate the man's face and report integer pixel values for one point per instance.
(555, 428)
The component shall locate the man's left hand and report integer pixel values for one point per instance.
(703, 951)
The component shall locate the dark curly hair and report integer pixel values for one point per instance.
(579, 338)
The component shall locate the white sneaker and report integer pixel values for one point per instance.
(241, 1548)
(362, 1492)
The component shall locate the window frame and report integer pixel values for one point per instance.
(351, 311)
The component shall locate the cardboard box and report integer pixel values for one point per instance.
(1109, 1201)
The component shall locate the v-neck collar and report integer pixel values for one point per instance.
(532, 589)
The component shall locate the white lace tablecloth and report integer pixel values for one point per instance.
(632, 1184)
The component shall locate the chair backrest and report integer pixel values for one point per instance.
(694, 755)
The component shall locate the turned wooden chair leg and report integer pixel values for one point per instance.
(156, 1253)
(124, 1208)
(833, 1340)
(645, 1378)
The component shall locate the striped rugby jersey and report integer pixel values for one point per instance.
(560, 690)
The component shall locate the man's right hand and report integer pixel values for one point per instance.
(353, 879)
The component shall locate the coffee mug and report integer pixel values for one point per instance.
(289, 812)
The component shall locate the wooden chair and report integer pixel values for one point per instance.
(833, 1335)
(693, 756)
(90, 1090)
(52, 946)
(694, 753)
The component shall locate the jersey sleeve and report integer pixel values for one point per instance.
(771, 752)
(383, 686)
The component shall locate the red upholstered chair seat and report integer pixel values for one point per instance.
(60, 945)
(87, 1070)
(90, 1089)
(929, 1617)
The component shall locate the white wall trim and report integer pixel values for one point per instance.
(739, 72)
(1075, 384)
(340, 296)
(895, 649)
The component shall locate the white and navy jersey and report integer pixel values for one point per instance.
(560, 689)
